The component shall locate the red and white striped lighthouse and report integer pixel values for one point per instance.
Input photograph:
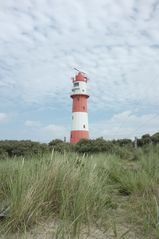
(79, 108)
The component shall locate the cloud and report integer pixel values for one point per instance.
(51, 37)
(115, 42)
(32, 124)
(3, 117)
(54, 131)
(126, 125)
(45, 132)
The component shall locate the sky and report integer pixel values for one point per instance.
(116, 42)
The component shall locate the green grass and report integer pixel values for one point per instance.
(82, 190)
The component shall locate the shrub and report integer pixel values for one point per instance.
(155, 138)
(59, 146)
(22, 148)
(93, 146)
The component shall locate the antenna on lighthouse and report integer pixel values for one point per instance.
(79, 70)
(84, 73)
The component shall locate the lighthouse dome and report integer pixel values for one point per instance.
(80, 77)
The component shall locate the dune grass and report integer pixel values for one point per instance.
(81, 190)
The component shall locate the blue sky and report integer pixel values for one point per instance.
(115, 41)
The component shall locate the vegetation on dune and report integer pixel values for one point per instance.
(27, 148)
(11, 148)
(82, 190)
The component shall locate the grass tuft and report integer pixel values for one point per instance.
(81, 190)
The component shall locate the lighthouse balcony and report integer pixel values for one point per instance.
(78, 94)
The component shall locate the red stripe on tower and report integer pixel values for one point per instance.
(79, 109)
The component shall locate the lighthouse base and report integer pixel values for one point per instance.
(77, 135)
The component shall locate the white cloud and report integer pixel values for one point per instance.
(3, 117)
(116, 42)
(32, 124)
(54, 131)
(108, 39)
(126, 125)
(43, 132)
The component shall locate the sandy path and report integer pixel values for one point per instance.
(49, 231)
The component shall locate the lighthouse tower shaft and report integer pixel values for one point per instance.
(79, 109)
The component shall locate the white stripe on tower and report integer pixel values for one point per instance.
(80, 121)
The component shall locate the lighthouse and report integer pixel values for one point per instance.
(79, 96)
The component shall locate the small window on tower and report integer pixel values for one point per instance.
(83, 90)
(84, 126)
(83, 107)
(76, 84)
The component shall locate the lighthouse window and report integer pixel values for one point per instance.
(84, 126)
(83, 107)
(76, 84)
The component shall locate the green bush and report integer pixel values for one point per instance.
(155, 138)
(93, 146)
(13, 148)
(59, 146)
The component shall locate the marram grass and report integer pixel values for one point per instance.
(80, 190)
